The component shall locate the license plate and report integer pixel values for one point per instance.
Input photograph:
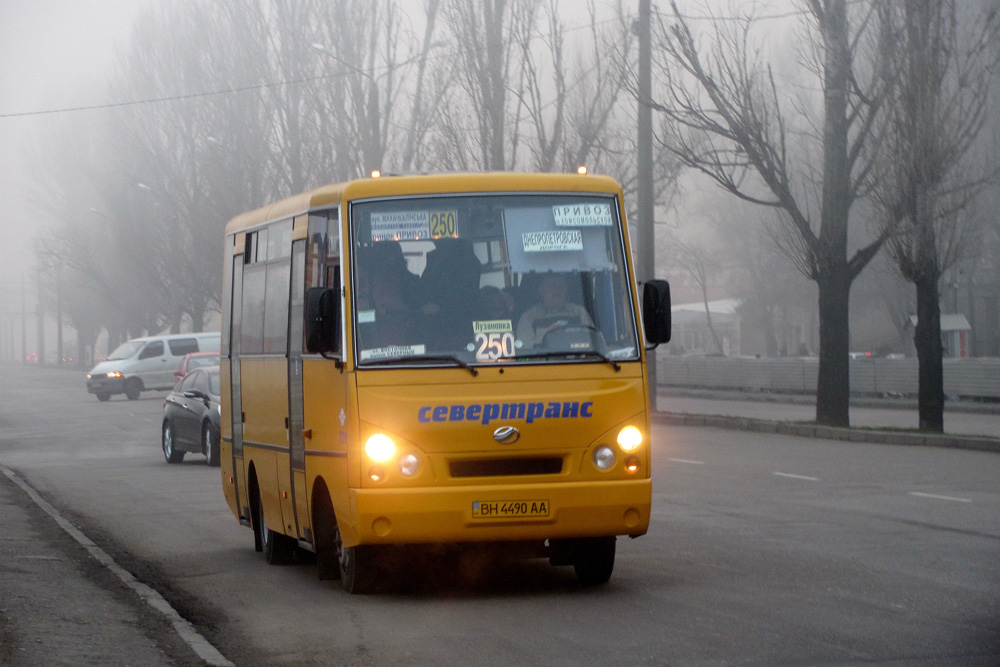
(509, 509)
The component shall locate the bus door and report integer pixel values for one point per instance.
(236, 391)
(296, 422)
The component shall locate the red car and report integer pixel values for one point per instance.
(195, 360)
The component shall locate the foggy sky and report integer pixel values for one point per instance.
(53, 54)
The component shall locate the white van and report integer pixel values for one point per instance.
(146, 363)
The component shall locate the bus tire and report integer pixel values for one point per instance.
(277, 548)
(358, 568)
(170, 451)
(594, 560)
(133, 387)
(327, 539)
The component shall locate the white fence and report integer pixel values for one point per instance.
(973, 378)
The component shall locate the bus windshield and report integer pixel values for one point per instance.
(490, 278)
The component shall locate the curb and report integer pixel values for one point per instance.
(805, 430)
(187, 632)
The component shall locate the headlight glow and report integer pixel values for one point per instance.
(380, 448)
(114, 374)
(604, 457)
(629, 438)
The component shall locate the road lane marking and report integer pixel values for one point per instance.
(934, 496)
(694, 463)
(201, 646)
(791, 476)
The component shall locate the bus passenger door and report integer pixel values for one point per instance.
(236, 391)
(296, 422)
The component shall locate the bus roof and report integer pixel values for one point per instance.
(393, 186)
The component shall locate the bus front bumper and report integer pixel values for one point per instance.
(483, 514)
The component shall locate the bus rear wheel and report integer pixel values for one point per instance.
(277, 548)
(594, 560)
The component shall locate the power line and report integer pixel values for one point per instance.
(188, 96)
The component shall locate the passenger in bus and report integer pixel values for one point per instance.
(552, 312)
(449, 290)
(388, 288)
(494, 304)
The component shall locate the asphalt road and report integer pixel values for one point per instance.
(763, 550)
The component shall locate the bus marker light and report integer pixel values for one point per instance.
(376, 173)
(632, 465)
(582, 170)
(376, 474)
(380, 448)
(629, 438)
(604, 457)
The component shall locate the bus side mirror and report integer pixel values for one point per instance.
(656, 311)
(322, 323)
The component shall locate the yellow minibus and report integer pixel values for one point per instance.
(438, 359)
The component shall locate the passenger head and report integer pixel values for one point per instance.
(552, 291)
(494, 304)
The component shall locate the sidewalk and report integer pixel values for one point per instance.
(891, 421)
(60, 605)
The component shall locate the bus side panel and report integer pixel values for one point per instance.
(330, 424)
(265, 406)
(226, 440)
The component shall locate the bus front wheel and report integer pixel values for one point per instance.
(358, 568)
(594, 560)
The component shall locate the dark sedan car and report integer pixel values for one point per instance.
(191, 415)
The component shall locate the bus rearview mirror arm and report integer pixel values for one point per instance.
(656, 312)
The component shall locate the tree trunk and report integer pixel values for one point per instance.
(833, 388)
(833, 275)
(927, 338)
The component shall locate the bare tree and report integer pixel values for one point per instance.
(730, 118)
(938, 107)
(704, 269)
(491, 82)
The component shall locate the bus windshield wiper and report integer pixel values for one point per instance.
(576, 353)
(424, 357)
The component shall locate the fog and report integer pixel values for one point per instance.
(72, 173)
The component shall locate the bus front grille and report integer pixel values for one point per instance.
(507, 467)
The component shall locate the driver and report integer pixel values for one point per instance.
(551, 313)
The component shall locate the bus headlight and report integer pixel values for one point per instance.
(380, 448)
(604, 457)
(408, 464)
(629, 438)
